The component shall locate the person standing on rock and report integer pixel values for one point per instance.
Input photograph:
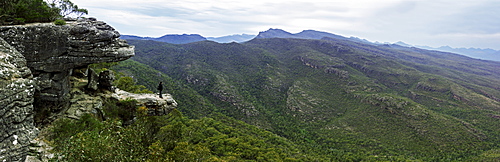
(160, 88)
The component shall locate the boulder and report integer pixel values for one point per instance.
(106, 79)
(93, 79)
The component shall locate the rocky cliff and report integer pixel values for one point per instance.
(52, 52)
(36, 64)
(16, 101)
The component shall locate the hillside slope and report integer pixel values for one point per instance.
(340, 98)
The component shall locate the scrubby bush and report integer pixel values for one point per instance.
(128, 84)
(60, 22)
(123, 109)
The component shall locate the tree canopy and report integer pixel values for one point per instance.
(28, 11)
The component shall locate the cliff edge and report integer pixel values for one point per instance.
(36, 64)
(16, 98)
(53, 51)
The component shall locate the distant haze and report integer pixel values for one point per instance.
(463, 23)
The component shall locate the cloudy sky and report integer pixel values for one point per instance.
(457, 23)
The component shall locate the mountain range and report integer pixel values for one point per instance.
(190, 38)
(169, 38)
(485, 54)
(339, 98)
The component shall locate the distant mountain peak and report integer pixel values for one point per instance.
(401, 43)
(232, 38)
(275, 33)
(306, 34)
(478, 53)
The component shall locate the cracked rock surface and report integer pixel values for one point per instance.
(16, 99)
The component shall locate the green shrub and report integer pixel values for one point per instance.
(64, 128)
(110, 142)
(123, 109)
(122, 81)
(19, 20)
(128, 84)
(60, 22)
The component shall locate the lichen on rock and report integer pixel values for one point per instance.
(16, 97)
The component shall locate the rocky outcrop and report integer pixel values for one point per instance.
(154, 104)
(52, 52)
(85, 100)
(16, 99)
(94, 103)
(83, 103)
(36, 62)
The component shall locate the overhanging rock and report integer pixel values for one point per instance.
(53, 51)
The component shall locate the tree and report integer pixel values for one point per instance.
(30, 10)
(66, 8)
(7, 6)
(128, 84)
(21, 11)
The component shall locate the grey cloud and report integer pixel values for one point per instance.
(480, 19)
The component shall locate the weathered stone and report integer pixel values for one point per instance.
(40, 151)
(106, 79)
(154, 104)
(82, 103)
(93, 79)
(16, 100)
(52, 52)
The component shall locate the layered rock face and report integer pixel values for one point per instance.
(16, 104)
(36, 62)
(52, 52)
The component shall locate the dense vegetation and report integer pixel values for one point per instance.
(170, 138)
(27, 11)
(297, 100)
(341, 99)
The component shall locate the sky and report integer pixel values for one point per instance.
(457, 23)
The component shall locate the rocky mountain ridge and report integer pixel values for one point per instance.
(190, 38)
(478, 53)
(485, 54)
(170, 38)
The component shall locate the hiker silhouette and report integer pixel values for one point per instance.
(160, 88)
